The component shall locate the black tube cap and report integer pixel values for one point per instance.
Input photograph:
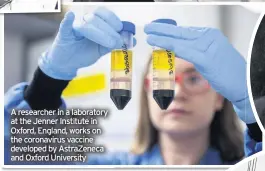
(163, 98)
(120, 97)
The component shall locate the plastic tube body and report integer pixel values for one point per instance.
(163, 76)
(121, 72)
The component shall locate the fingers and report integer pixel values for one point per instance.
(161, 41)
(190, 44)
(107, 29)
(96, 35)
(66, 25)
(175, 31)
(102, 28)
(181, 50)
(134, 42)
(110, 18)
(104, 51)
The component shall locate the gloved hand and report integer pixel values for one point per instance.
(213, 57)
(80, 46)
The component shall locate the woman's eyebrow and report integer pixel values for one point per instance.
(188, 70)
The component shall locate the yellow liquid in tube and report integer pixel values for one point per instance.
(163, 77)
(121, 77)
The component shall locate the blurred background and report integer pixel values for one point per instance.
(7, 6)
(28, 35)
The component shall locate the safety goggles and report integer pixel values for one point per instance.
(191, 82)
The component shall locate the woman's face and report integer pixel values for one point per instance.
(189, 111)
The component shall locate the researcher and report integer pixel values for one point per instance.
(200, 126)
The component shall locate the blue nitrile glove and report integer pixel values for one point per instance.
(213, 57)
(80, 46)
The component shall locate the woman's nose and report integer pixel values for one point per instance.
(179, 93)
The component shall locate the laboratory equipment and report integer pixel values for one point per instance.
(121, 68)
(163, 72)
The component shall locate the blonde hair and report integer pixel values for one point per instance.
(225, 134)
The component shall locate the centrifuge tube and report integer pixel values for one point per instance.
(163, 72)
(121, 68)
